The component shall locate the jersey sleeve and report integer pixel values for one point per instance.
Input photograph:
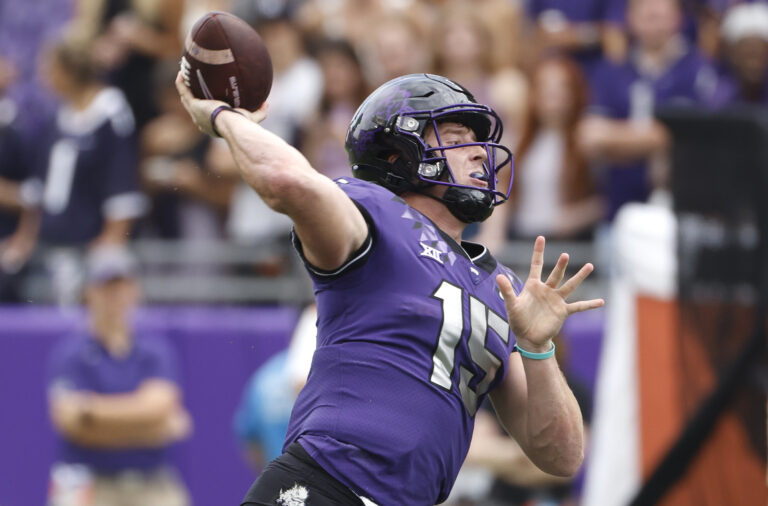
(121, 196)
(370, 201)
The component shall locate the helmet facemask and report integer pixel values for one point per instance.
(467, 202)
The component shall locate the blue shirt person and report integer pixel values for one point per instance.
(261, 419)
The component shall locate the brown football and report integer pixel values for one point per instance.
(225, 59)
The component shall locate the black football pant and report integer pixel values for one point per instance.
(294, 478)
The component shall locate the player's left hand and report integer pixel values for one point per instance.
(200, 110)
(538, 312)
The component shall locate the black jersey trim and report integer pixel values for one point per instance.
(356, 259)
(484, 259)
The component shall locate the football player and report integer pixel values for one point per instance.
(415, 326)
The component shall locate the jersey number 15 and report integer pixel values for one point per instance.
(481, 318)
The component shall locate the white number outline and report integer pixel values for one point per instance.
(481, 318)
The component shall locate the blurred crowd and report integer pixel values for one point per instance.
(95, 148)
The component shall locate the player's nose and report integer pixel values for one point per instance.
(478, 154)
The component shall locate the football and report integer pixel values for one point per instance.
(225, 59)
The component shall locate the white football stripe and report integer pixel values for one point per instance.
(203, 86)
(208, 56)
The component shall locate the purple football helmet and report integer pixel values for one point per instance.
(393, 120)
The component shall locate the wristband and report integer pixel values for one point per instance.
(218, 111)
(536, 356)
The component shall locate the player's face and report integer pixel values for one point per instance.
(466, 163)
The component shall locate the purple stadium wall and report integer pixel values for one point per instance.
(219, 349)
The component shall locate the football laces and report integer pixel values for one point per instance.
(185, 71)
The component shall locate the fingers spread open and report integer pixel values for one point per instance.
(557, 274)
(584, 305)
(537, 260)
(573, 283)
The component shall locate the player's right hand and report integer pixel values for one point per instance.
(200, 110)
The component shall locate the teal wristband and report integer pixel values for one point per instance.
(536, 356)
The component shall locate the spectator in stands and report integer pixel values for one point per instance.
(554, 193)
(620, 134)
(570, 27)
(86, 174)
(464, 46)
(464, 43)
(25, 27)
(344, 88)
(261, 420)
(745, 73)
(294, 97)
(356, 20)
(115, 401)
(709, 18)
(14, 169)
(505, 19)
(189, 199)
(129, 37)
(396, 45)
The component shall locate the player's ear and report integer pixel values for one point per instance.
(391, 158)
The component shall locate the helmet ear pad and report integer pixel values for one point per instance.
(397, 160)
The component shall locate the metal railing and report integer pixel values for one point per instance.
(221, 272)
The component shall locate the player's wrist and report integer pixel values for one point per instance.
(537, 351)
(216, 113)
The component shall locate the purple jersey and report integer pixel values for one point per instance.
(412, 334)
(83, 364)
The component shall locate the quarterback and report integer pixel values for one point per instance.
(415, 326)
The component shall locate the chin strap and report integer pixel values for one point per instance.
(467, 204)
